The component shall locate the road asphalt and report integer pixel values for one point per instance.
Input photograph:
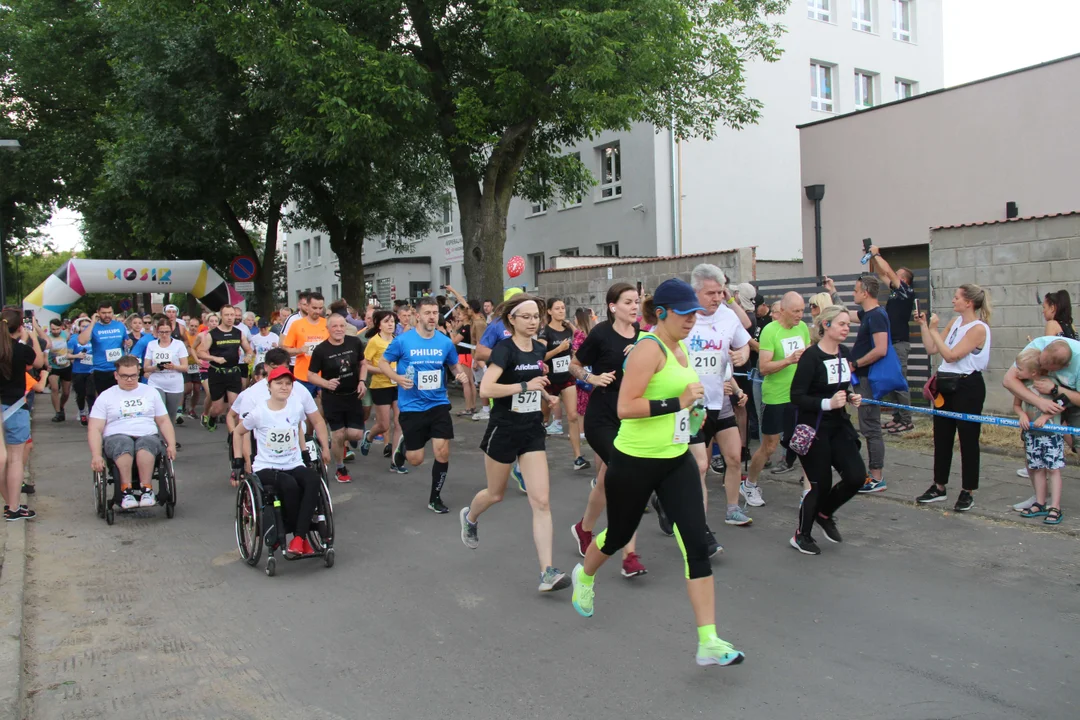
(920, 613)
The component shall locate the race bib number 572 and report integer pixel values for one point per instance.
(526, 402)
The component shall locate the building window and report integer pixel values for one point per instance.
(573, 202)
(902, 20)
(610, 171)
(334, 292)
(538, 208)
(307, 253)
(862, 15)
(444, 276)
(819, 10)
(864, 90)
(569, 252)
(821, 87)
(447, 226)
(608, 249)
(318, 289)
(317, 240)
(296, 254)
(537, 262)
(904, 89)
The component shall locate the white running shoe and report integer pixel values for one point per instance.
(555, 428)
(752, 493)
(147, 499)
(129, 502)
(1022, 506)
(482, 414)
(1022, 472)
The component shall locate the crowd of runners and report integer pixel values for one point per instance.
(664, 389)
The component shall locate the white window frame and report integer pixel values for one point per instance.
(316, 249)
(539, 208)
(818, 72)
(570, 252)
(858, 22)
(307, 253)
(296, 254)
(610, 249)
(900, 83)
(447, 226)
(900, 33)
(865, 89)
(334, 292)
(819, 10)
(444, 275)
(610, 171)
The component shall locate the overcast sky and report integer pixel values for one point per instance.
(982, 38)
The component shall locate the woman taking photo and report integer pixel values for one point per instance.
(383, 389)
(605, 350)
(659, 404)
(821, 390)
(965, 353)
(558, 336)
(19, 354)
(515, 380)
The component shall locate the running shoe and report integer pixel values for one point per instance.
(342, 475)
(553, 579)
(964, 502)
(828, 526)
(717, 652)
(83, 419)
(20, 513)
(752, 493)
(737, 517)
(436, 506)
(717, 465)
(782, 467)
(932, 495)
(632, 567)
(399, 469)
(128, 502)
(179, 418)
(483, 414)
(28, 488)
(206, 422)
(581, 463)
(873, 486)
(308, 550)
(715, 548)
(661, 517)
(1018, 507)
(805, 544)
(1022, 472)
(583, 596)
(299, 547)
(469, 535)
(211, 424)
(387, 450)
(583, 538)
(58, 417)
(555, 428)
(518, 478)
(349, 455)
(147, 499)
(399, 452)
(365, 444)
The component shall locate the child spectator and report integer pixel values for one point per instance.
(1045, 451)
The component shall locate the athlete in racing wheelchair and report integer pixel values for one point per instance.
(285, 494)
(130, 428)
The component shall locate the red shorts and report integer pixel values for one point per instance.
(465, 360)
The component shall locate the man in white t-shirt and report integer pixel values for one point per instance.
(128, 425)
(263, 341)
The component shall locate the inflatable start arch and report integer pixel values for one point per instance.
(78, 277)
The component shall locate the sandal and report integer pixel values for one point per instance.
(1053, 516)
(466, 413)
(890, 425)
(1036, 510)
(901, 428)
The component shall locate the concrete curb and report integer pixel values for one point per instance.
(12, 588)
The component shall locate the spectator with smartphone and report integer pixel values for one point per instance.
(871, 345)
(899, 308)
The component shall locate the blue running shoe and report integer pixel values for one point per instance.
(518, 478)
(873, 486)
(365, 444)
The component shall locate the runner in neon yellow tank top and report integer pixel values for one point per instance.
(659, 406)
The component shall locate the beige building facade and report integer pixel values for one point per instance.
(951, 157)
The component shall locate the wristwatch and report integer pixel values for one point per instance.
(524, 386)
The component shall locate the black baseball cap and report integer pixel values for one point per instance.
(264, 323)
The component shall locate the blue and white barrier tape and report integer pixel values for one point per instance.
(984, 419)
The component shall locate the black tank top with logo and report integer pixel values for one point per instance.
(226, 345)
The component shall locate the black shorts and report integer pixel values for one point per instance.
(601, 424)
(222, 382)
(63, 373)
(712, 425)
(419, 427)
(383, 396)
(244, 371)
(505, 443)
(779, 420)
(343, 411)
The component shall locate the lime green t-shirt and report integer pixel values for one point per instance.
(782, 341)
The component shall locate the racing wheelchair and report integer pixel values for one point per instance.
(164, 477)
(260, 522)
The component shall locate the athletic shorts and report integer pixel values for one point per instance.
(245, 371)
(505, 443)
(384, 396)
(601, 424)
(222, 383)
(116, 445)
(465, 360)
(204, 376)
(557, 387)
(63, 373)
(17, 427)
(343, 411)
(419, 427)
(779, 420)
(712, 425)
(103, 380)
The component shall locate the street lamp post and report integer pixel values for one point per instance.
(13, 146)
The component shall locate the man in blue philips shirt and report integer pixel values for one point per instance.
(106, 337)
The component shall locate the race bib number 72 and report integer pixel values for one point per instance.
(792, 345)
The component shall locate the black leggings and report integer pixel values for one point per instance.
(968, 398)
(836, 445)
(629, 484)
(85, 392)
(298, 489)
(601, 425)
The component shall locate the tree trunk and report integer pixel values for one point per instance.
(347, 242)
(264, 263)
(194, 309)
(148, 305)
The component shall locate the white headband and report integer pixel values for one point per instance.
(524, 305)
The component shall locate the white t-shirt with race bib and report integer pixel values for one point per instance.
(129, 412)
(277, 435)
(710, 344)
(261, 344)
(170, 381)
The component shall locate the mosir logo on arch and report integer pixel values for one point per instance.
(158, 275)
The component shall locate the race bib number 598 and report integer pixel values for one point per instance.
(429, 379)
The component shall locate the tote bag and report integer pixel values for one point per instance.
(886, 375)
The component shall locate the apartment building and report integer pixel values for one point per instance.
(656, 197)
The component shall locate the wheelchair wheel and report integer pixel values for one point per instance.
(248, 533)
(328, 558)
(110, 517)
(100, 497)
(321, 535)
(169, 482)
(271, 566)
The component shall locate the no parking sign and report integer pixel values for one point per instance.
(242, 268)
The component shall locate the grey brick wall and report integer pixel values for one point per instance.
(1018, 262)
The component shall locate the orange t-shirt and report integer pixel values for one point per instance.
(305, 334)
